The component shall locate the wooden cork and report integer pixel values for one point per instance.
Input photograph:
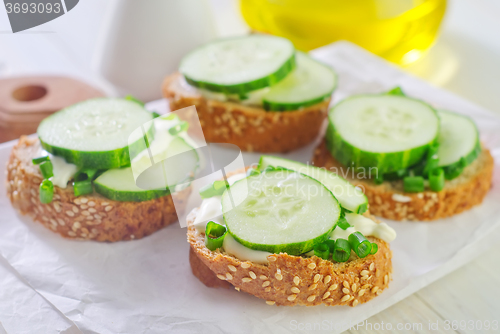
(26, 101)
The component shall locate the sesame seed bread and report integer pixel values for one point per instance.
(250, 128)
(90, 217)
(293, 280)
(388, 199)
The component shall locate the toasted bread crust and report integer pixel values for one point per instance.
(458, 195)
(250, 128)
(90, 217)
(318, 281)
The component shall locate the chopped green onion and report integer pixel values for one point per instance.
(396, 91)
(432, 160)
(397, 175)
(413, 184)
(39, 160)
(46, 191)
(214, 235)
(252, 172)
(47, 169)
(360, 244)
(178, 128)
(155, 114)
(82, 187)
(85, 174)
(133, 99)
(342, 251)
(331, 244)
(342, 223)
(379, 179)
(374, 248)
(322, 250)
(455, 171)
(436, 179)
(214, 189)
(269, 169)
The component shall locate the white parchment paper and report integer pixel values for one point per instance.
(53, 285)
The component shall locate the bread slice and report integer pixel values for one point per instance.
(250, 128)
(90, 217)
(389, 200)
(293, 280)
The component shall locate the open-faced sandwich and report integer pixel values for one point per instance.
(412, 161)
(256, 92)
(290, 234)
(76, 179)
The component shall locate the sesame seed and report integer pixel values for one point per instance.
(85, 213)
(104, 203)
(45, 219)
(91, 203)
(346, 291)
(61, 222)
(76, 225)
(355, 302)
(356, 279)
(311, 298)
(83, 206)
(229, 276)
(94, 231)
(92, 210)
(390, 276)
(108, 208)
(53, 222)
(70, 213)
(361, 292)
(327, 279)
(311, 265)
(314, 286)
(84, 200)
(57, 207)
(96, 216)
(326, 295)
(278, 271)
(364, 272)
(317, 277)
(231, 267)
(379, 292)
(236, 288)
(263, 277)
(269, 302)
(374, 289)
(292, 297)
(72, 234)
(271, 258)
(83, 235)
(221, 277)
(296, 280)
(245, 265)
(267, 289)
(279, 277)
(246, 279)
(354, 287)
(366, 286)
(377, 273)
(75, 209)
(90, 217)
(372, 266)
(346, 284)
(266, 283)
(295, 289)
(252, 274)
(132, 236)
(330, 300)
(386, 279)
(345, 298)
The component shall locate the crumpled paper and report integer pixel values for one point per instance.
(53, 285)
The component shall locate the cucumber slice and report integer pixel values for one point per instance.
(239, 65)
(156, 181)
(350, 197)
(119, 185)
(280, 211)
(386, 132)
(95, 133)
(459, 143)
(311, 82)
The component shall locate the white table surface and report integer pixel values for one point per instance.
(464, 60)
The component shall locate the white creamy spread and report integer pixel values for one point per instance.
(63, 171)
(243, 253)
(211, 210)
(253, 98)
